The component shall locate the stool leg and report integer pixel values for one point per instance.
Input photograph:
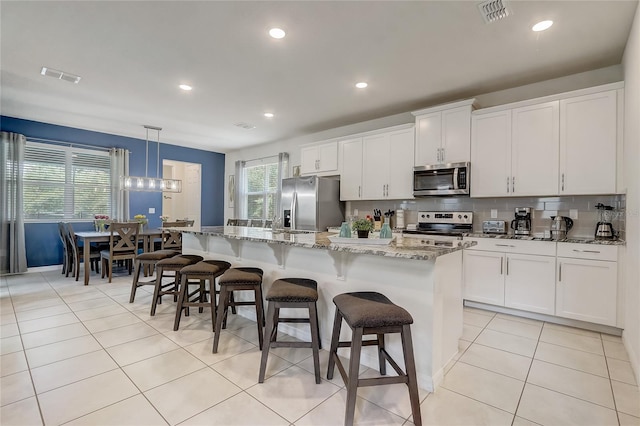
(214, 305)
(381, 361)
(136, 277)
(203, 296)
(335, 339)
(259, 314)
(222, 310)
(315, 339)
(184, 290)
(318, 327)
(268, 338)
(354, 367)
(410, 367)
(156, 292)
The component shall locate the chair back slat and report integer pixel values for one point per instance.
(171, 240)
(232, 222)
(123, 238)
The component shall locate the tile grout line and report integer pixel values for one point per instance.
(526, 379)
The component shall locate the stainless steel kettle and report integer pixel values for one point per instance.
(560, 225)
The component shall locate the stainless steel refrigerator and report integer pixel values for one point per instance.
(311, 203)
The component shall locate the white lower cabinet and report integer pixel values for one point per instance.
(576, 281)
(587, 283)
(530, 283)
(515, 274)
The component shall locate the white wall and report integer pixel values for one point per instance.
(631, 66)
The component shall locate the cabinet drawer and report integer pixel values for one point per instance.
(588, 251)
(542, 248)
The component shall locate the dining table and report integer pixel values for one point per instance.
(147, 237)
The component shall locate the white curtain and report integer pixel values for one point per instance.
(119, 197)
(238, 199)
(13, 257)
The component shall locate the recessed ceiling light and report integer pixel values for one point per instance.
(361, 85)
(268, 114)
(277, 33)
(185, 87)
(542, 25)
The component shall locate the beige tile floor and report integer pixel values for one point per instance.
(71, 354)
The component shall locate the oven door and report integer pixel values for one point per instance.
(441, 179)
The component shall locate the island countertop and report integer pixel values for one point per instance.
(400, 248)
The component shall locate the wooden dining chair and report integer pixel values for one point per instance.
(256, 223)
(123, 245)
(77, 254)
(66, 252)
(232, 222)
(242, 222)
(174, 224)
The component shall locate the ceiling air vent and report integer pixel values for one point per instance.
(244, 125)
(494, 10)
(60, 75)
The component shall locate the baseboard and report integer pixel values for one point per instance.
(44, 268)
(599, 328)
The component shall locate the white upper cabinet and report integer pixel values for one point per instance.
(491, 155)
(351, 175)
(535, 149)
(378, 166)
(564, 146)
(319, 159)
(588, 141)
(443, 134)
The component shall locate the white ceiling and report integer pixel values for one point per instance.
(133, 55)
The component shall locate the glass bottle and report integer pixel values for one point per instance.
(345, 230)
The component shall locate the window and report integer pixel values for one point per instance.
(261, 189)
(65, 183)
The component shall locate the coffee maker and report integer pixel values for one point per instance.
(521, 225)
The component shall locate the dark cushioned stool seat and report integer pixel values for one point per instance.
(144, 261)
(170, 264)
(369, 313)
(287, 293)
(293, 290)
(370, 309)
(198, 274)
(238, 279)
(241, 276)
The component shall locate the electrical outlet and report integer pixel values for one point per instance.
(494, 213)
(573, 213)
(152, 210)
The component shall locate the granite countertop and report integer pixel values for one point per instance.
(399, 248)
(616, 242)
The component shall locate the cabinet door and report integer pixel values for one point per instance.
(400, 182)
(375, 166)
(530, 283)
(586, 290)
(491, 155)
(309, 160)
(588, 132)
(535, 149)
(428, 138)
(456, 135)
(328, 157)
(484, 277)
(351, 176)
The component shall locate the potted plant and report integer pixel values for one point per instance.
(362, 227)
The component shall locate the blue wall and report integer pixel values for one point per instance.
(42, 242)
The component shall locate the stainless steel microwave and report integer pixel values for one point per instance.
(441, 179)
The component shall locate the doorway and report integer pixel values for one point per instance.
(185, 204)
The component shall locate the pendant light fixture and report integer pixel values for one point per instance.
(150, 184)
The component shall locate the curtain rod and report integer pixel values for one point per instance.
(70, 144)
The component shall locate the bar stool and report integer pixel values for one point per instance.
(372, 313)
(148, 260)
(236, 279)
(291, 293)
(171, 264)
(201, 271)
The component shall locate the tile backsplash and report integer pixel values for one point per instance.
(542, 208)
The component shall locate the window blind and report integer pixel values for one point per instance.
(65, 183)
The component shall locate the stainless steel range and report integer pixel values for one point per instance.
(441, 228)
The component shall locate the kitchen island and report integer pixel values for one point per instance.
(426, 281)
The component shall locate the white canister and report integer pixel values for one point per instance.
(399, 219)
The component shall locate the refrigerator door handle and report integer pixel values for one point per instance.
(294, 208)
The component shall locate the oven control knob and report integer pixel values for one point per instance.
(459, 216)
(466, 217)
